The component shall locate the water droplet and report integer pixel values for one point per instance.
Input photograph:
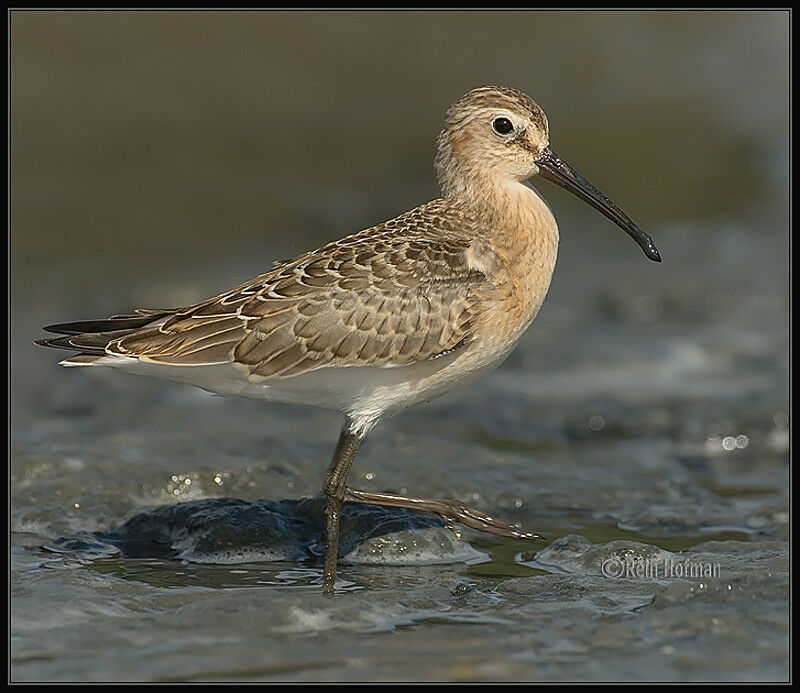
(780, 419)
(597, 423)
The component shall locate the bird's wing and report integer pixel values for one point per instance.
(385, 297)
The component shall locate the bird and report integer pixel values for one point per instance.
(386, 317)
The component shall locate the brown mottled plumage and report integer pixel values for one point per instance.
(391, 295)
(392, 315)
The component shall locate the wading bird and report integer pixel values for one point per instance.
(393, 315)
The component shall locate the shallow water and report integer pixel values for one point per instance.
(641, 426)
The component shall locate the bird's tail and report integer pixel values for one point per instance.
(91, 337)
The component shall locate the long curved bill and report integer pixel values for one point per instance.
(555, 169)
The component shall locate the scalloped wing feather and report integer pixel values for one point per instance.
(392, 295)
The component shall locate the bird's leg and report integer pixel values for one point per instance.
(335, 488)
(448, 509)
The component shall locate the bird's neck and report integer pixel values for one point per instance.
(519, 228)
(520, 223)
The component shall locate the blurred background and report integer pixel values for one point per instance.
(140, 139)
(161, 157)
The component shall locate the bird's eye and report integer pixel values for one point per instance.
(502, 126)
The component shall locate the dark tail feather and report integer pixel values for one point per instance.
(91, 337)
(88, 342)
(118, 322)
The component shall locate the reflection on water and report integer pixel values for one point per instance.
(158, 158)
(166, 574)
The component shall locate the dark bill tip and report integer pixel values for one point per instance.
(553, 168)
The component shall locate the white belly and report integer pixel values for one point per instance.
(364, 393)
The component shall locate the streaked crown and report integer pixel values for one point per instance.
(490, 132)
